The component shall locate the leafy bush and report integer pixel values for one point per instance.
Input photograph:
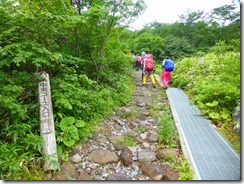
(85, 86)
(215, 99)
(212, 81)
(15, 157)
(184, 170)
(166, 130)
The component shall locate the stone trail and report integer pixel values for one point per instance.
(103, 157)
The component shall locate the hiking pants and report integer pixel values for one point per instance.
(146, 74)
(138, 66)
(165, 77)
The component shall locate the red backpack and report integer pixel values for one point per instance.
(149, 65)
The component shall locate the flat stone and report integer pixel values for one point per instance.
(118, 177)
(102, 156)
(166, 152)
(116, 139)
(155, 172)
(146, 156)
(76, 158)
(153, 137)
(84, 176)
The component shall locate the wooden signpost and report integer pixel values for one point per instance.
(47, 124)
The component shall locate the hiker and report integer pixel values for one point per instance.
(137, 62)
(167, 68)
(133, 57)
(143, 54)
(148, 70)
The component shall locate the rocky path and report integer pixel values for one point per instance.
(126, 146)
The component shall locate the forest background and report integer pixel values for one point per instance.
(85, 46)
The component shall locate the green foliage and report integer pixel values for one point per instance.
(128, 141)
(213, 81)
(130, 115)
(156, 107)
(227, 131)
(69, 134)
(54, 163)
(16, 156)
(217, 100)
(36, 173)
(63, 152)
(226, 13)
(166, 129)
(140, 129)
(184, 170)
(89, 73)
(168, 158)
(148, 43)
(176, 47)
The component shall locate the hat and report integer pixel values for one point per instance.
(143, 53)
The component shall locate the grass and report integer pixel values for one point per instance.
(166, 129)
(140, 129)
(128, 141)
(184, 170)
(33, 172)
(130, 115)
(157, 107)
(234, 138)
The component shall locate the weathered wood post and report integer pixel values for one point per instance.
(47, 124)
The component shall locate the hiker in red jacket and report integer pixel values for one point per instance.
(137, 62)
(148, 70)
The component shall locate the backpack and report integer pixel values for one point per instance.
(169, 65)
(149, 65)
